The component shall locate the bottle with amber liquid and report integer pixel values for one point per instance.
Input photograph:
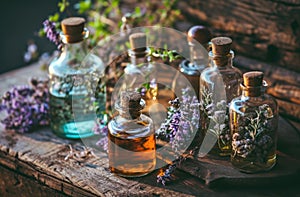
(253, 123)
(219, 84)
(131, 140)
(198, 39)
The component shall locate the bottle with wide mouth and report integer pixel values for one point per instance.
(77, 88)
(253, 123)
(131, 139)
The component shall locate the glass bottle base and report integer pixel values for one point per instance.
(74, 130)
(130, 174)
(247, 166)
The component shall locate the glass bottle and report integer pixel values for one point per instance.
(253, 123)
(219, 84)
(198, 40)
(131, 140)
(125, 27)
(140, 73)
(77, 90)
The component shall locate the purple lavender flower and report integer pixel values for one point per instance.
(51, 33)
(179, 129)
(165, 176)
(182, 120)
(26, 107)
(102, 143)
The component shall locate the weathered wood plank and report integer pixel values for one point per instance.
(286, 92)
(271, 72)
(44, 162)
(14, 184)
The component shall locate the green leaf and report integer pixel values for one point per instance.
(54, 18)
(115, 3)
(137, 12)
(63, 5)
(146, 85)
(83, 6)
(41, 32)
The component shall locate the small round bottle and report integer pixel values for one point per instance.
(76, 84)
(219, 84)
(253, 123)
(198, 55)
(131, 140)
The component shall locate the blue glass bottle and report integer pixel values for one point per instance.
(77, 89)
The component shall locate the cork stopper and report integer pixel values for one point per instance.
(72, 28)
(130, 99)
(138, 42)
(131, 104)
(199, 33)
(253, 79)
(221, 45)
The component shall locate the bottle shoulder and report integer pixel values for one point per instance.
(67, 64)
(226, 70)
(127, 128)
(244, 102)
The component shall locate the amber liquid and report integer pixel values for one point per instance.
(131, 157)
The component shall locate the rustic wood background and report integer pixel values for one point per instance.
(267, 30)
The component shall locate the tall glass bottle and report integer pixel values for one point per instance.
(253, 123)
(219, 84)
(140, 73)
(77, 90)
(198, 55)
(131, 140)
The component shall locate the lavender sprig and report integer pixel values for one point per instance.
(51, 33)
(26, 106)
(182, 121)
(165, 176)
(179, 129)
(102, 131)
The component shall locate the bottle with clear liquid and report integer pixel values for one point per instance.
(140, 73)
(77, 89)
(219, 84)
(131, 139)
(253, 123)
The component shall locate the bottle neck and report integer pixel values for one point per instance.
(254, 91)
(130, 113)
(75, 48)
(221, 60)
(75, 44)
(138, 57)
(198, 55)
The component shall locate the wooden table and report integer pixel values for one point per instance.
(33, 164)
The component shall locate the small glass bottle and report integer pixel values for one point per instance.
(198, 55)
(219, 84)
(253, 123)
(76, 84)
(125, 27)
(140, 73)
(131, 140)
